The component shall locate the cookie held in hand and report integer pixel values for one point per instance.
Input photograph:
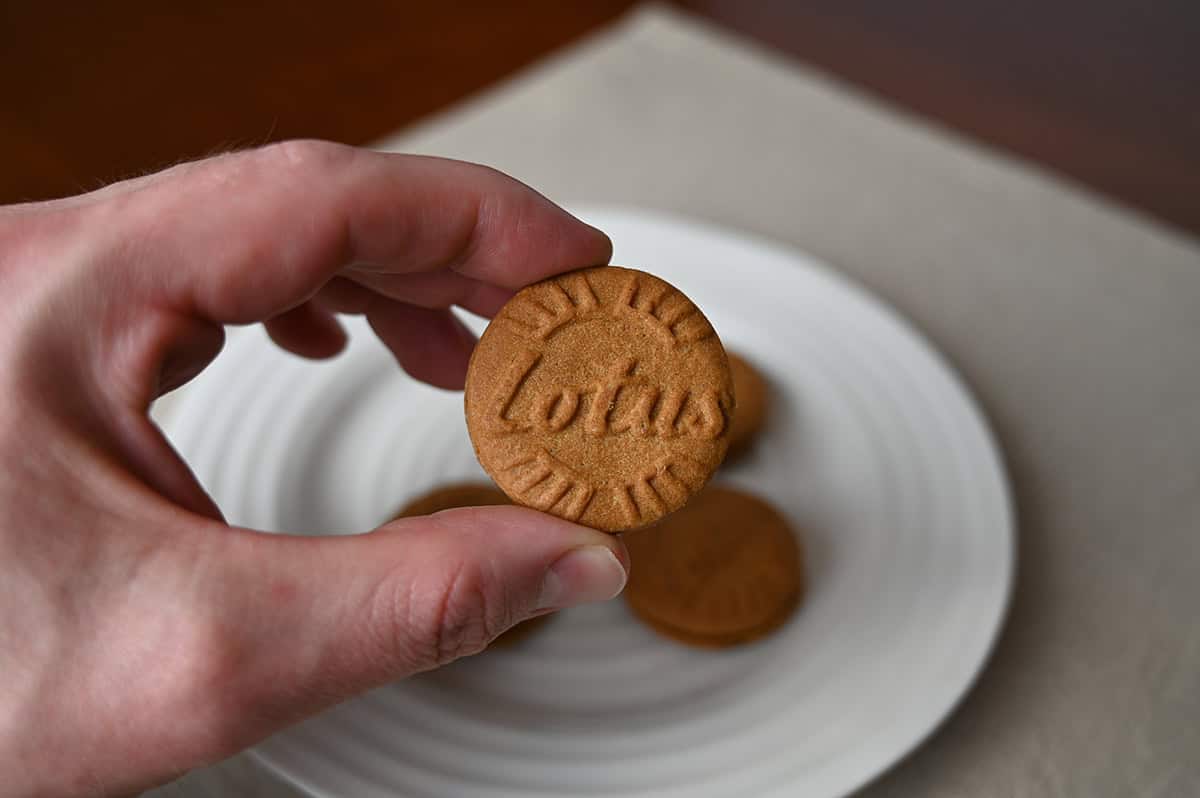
(724, 570)
(602, 396)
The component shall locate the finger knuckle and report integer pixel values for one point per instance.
(307, 154)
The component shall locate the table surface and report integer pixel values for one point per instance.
(1105, 91)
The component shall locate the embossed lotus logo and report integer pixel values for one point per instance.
(602, 396)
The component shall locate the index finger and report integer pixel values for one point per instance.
(247, 236)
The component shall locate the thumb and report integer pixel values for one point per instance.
(459, 578)
(317, 620)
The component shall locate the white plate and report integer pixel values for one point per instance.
(874, 449)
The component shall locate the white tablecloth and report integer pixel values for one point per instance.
(1077, 324)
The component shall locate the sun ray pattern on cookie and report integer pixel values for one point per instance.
(673, 318)
(579, 291)
(556, 303)
(545, 483)
(667, 483)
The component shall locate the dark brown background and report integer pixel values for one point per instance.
(1105, 91)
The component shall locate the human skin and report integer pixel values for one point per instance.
(140, 635)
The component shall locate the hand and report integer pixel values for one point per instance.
(141, 636)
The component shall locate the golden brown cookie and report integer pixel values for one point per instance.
(748, 635)
(471, 494)
(447, 497)
(725, 569)
(750, 388)
(602, 396)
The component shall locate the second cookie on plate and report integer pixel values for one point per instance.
(726, 569)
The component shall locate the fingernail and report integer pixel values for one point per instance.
(586, 574)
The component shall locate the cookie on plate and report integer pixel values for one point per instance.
(458, 494)
(724, 570)
(753, 395)
(602, 396)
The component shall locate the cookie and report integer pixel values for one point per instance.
(750, 388)
(471, 494)
(690, 638)
(447, 497)
(724, 570)
(602, 396)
